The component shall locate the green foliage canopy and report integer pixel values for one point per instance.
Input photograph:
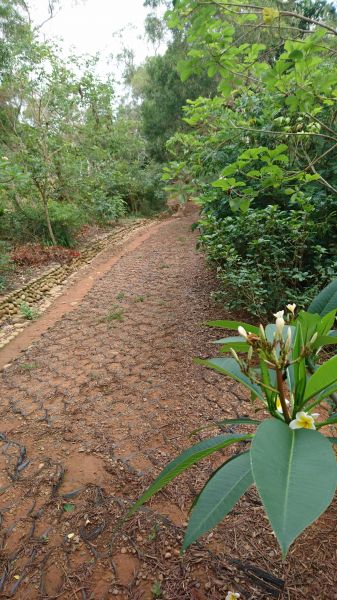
(265, 142)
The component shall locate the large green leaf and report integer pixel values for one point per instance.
(330, 421)
(231, 340)
(218, 497)
(229, 366)
(309, 323)
(238, 343)
(325, 301)
(328, 391)
(224, 422)
(325, 340)
(296, 476)
(239, 421)
(326, 323)
(186, 459)
(297, 371)
(324, 377)
(267, 377)
(233, 325)
(238, 347)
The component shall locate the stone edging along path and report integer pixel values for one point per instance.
(40, 292)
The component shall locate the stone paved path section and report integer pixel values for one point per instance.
(93, 410)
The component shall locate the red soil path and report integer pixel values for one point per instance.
(92, 411)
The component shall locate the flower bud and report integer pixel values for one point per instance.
(243, 332)
(280, 323)
(262, 332)
(234, 354)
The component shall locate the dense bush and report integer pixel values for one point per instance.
(268, 257)
(5, 264)
(260, 153)
(68, 154)
(29, 224)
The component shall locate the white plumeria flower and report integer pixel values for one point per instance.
(291, 308)
(279, 314)
(243, 332)
(304, 420)
(279, 405)
(280, 323)
(5, 158)
(232, 596)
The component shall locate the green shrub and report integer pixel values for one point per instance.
(105, 208)
(141, 187)
(28, 312)
(5, 264)
(153, 196)
(30, 223)
(268, 257)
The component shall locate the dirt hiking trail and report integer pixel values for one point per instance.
(95, 408)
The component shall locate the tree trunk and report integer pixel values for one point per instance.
(50, 229)
(42, 192)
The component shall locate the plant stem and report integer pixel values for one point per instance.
(281, 394)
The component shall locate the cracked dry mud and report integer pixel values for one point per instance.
(94, 409)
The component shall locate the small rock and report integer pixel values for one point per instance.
(168, 555)
(123, 550)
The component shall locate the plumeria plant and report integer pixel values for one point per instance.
(287, 457)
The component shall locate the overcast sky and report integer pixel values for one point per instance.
(90, 26)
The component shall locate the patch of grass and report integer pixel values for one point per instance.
(28, 312)
(139, 299)
(156, 589)
(115, 315)
(29, 366)
(164, 266)
(153, 533)
(120, 296)
(3, 283)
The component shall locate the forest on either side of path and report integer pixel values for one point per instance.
(233, 122)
